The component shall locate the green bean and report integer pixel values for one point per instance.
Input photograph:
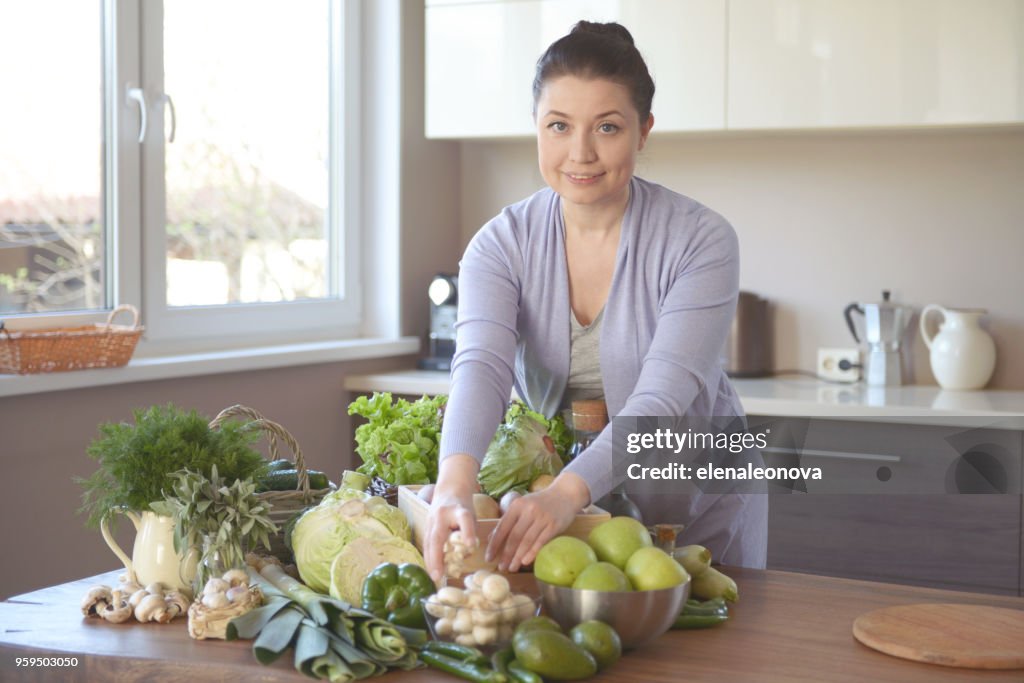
(463, 653)
(462, 669)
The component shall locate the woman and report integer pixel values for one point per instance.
(599, 258)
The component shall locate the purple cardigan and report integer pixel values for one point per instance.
(671, 303)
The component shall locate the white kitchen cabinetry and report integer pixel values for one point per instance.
(846, 63)
(480, 59)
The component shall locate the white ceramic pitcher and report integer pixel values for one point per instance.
(963, 355)
(153, 558)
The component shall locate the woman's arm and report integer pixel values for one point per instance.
(481, 383)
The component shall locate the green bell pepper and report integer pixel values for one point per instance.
(395, 592)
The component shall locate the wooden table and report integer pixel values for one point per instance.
(788, 628)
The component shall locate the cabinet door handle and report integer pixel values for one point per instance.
(873, 457)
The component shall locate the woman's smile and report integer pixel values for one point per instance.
(584, 178)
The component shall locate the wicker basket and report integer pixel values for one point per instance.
(283, 504)
(101, 345)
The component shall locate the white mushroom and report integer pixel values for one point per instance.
(155, 588)
(456, 550)
(216, 586)
(151, 608)
(238, 595)
(215, 600)
(137, 597)
(485, 617)
(95, 600)
(527, 607)
(450, 595)
(117, 612)
(495, 588)
(443, 627)
(485, 635)
(236, 577)
(176, 604)
(463, 622)
(435, 607)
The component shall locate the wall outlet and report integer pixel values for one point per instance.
(830, 361)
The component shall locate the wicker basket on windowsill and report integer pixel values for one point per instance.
(58, 349)
(283, 504)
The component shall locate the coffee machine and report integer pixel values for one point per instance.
(443, 293)
(884, 325)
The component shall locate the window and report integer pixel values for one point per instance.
(186, 157)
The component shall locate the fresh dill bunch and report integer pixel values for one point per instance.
(137, 461)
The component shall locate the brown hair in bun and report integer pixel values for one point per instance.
(595, 50)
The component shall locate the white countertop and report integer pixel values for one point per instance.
(797, 396)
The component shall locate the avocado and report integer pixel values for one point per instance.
(553, 655)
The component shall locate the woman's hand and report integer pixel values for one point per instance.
(451, 508)
(534, 519)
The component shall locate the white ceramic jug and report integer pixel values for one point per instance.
(153, 558)
(963, 355)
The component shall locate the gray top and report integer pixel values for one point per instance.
(669, 308)
(584, 362)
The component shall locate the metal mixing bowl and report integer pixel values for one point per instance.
(637, 616)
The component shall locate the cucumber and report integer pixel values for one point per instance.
(288, 480)
(280, 465)
(280, 480)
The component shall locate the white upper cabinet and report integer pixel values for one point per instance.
(857, 63)
(480, 59)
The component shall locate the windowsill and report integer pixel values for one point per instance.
(210, 363)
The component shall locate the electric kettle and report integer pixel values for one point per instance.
(748, 348)
(884, 325)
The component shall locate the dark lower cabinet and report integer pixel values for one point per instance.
(960, 542)
(921, 504)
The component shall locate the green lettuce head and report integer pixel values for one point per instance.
(520, 452)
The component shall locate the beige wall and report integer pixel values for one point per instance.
(43, 438)
(825, 219)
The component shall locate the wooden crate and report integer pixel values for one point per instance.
(416, 510)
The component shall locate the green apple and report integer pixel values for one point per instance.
(651, 569)
(617, 539)
(602, 576)
(562, 559)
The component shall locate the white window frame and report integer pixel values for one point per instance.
(135, 204)
(189, 328)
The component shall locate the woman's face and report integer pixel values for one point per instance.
(588, 138)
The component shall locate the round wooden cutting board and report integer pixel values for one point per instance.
(968, 636)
